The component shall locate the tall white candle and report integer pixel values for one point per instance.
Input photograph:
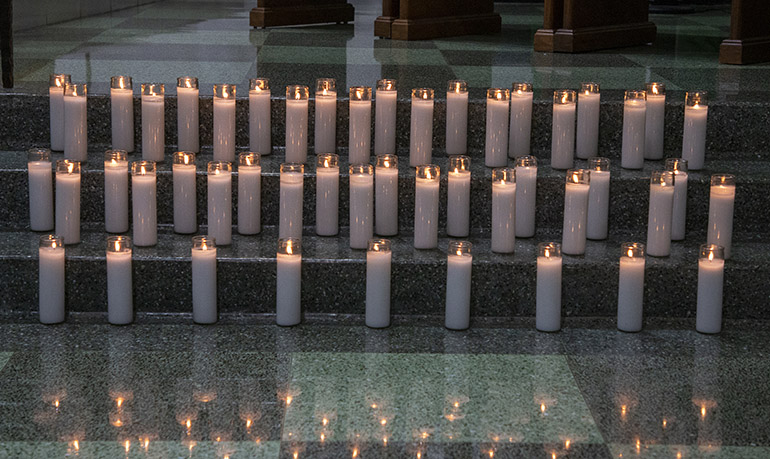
(634, 117)
(458, 285)
(526, 192)
(187, 123)
(694, 135)
(291, 199)
(576, 192)
(588, 106)
(122, 111)
(386, 195)
(385, 117)
(51, 279)
(457, 118)
(249, 193)
(259, 116)
(115, 191)
(421, 131)
(204, 280)
(68, 200)
(185, 193)
(496, 145)
(721, 206)
(360, 132)
(327, 194)
(598, 198)
(224, 122)
(220, 201)
(679, 213)
(288, 282)
(458, 196)
(325, 115)
(548, 289)
(659, 218)
(296, 123)
(120, 292)
(153, 122)
(56, 100)
(521, 120)
(503, 210)
(378, 258)
(563, 129)
(654, 126)
(711, 272)
(144, 203)
(75, 122)
(361, 205)
(426, 207)
(631, 287)
(40, 179)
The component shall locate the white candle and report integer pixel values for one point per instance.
(224, 122)
(576, 192)
(711, 272)
(361, 205)
(655, 123)
(325, 115)
(259, 116)
(56, 99)
(144, 203)
(187, 114)
(503, 210)
(327, 194)
(421, 131)
(378, 258)
(204, 280)
(521, 120)
(122, 111)
(115, 191)
(598, 199)
(249, 193)
(458, 196)
(631, 287)
(386, 195)
(385, 117)
(588, 106)
(426, 207)
(457, 118)
(458, 285)
(679, 213)
(51, 279)
(526, 192)
(40, 178)
(75, 122)
(185, 193)
(291, 199)
(153, 122)
(496, 146)
(694, 135)
(563, 129)
(296, 123)
(220, 202)
(659, 218)
(120, 293)
(68, 200)
(288, 282)
(634, 117)
(548, 289)
(360, 132)
(721, 206)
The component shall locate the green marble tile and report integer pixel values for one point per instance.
(136, 448)
(4, 356)
(522, 19)
(199, 13)
(97, 22)
(611, 78)
(463, 44)
(492, 77)
(171, 37)
(327, 55)
(435, 397)
(689, 451)
(42, 49)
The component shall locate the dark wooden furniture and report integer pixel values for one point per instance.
(424, 19)
(272, 13)
(749, 40)
(6, 41)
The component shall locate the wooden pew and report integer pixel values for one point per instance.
(272, 13)
(749, 40)
(424, 19)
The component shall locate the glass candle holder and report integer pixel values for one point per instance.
(548, 288)
(297, 92)
(428, 172)
(361, 169)
(289, 168)
(289, 246)
(224, 91)
(578, 176)
(187, 113)
(360, 93)
(458, 285)
(663, 178)
(634, 95)
(426, 202)
(721, 210)
(379, 245)
(387, 161)
(631, 287)
(422, 94)
(498, 94)
(459, 164)
(68, 167)
(219, 167)
(59, 80)
(153, 89)
(503, 175)
(549, 250)
(144, 167)
(655, 89)
(563, 129)
(457, 86)
(121, 82)
(325, 87)
(711, 265)
(564, 97)
(76, 90)
(679, 215)
(711, 252)
(119, 244)
(203, 243)
(598, 163)
(327, 161)
(503, 238)
(526, 161)
(696, 99)
(598, 198)
(587, 138)
(38, 155)
(184, 158)
(723, 180)
(187, 83)
(386, 84)
(50, 241)
(632, 250)
(588, 88)
(386, 195)
(460, 248)
(259, 84)
(521, 89)
(677, 166)
(361, 204)
(249, 159)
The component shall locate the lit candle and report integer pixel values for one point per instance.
(204, 280)
(694, 136)
(144, 202)
(711, 272)
(526, 192)
(122, 110)
(721, 206)
(458, 196)
(563, 129)
(360, 137)
(259, 116)
(548, 289)
(249, 193)
(386, 195)
(576, 193)
(654, 126)
(361, 205)
(51, 279)
(327, 194)
(426, 207)
(68, 200)
(634, 116)
(120, 294)
(659, 218)
(521, 120)
(153, 122)
(75, 124)
(496, 146)
(421, 131)
(187, 114)
(115, 191)
(291, 199)
(185, 193)
(296, 123)
(598, 198)
(503, 210)
(224, 122)
(458, 285)
(40, 177)
(457, 118)
(220, 201)
(378, 258)
(679, 213)
(588, 105)
(56, 99)
(288, 282)
(631, 287)
(385, 117)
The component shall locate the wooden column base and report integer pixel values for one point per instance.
(382, 26)
(746, 51)
(305, 14)
(446, 26)
(594, 38)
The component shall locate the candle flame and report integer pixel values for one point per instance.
(290, 251)
(326, 162)
(70, 167)
(623, 410)
(385, 441)
(122, 84)
(564, 98)
(117, 249)
(297, 95)
(127, 445)
(289, 398)
(542, 405)
(248, 160)
(188, 423)
(53, 246)
(119, 401)
(499, 96)
(566, 443)
(655, 89)
(324, 421)
(146, 443)
(575, 177)
(696, 106)
(58, 82)
(703, 411)
(359, 94)
(187, 159)
(630, 253)
(665, 423)
(519, 92)
(248, 423)
(76, 444)
(55, 402)
(383, 421)
(188, 83)
(546, 254)
(491, 453)
(711, 258)
(143, 170)
(355, 452)
(204, 246)
(424, 95)
(323, 437)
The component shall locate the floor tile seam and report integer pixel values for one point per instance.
(591, 411)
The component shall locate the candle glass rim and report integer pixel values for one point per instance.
(526, 161)
(62, 166)
(125, 246)
(459, 163)
(263, 84)
(361, 169)
(327, 160)
(722, 180)
(503, 175)
(219, 167)
(654, 84)
(128, 82)
(294, 90)
(204, 242)
(39, 155)
(423, 94)
(150, 167)
(61, 78)
(50, 241)
(553, 247)
(117, 155)
(504, 93)
(662, 178)
(635, 94)
(460, 248)
(360, 93)
(153, 89)
(421, 172)
(329, 84)
(381, 85)
(457, 86)
(180, 156)
(706, 249)
(285, 242)
(181, 82)
(599, 163)
(696, 98)
(76, 90)
(380, 161)
(564, 96)
(379, 245)
(292, 168)
(677, 165)
(224, 91)
(578, 177)
(632, 250)
(590, 87)
(521, 88)
(256, 159)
